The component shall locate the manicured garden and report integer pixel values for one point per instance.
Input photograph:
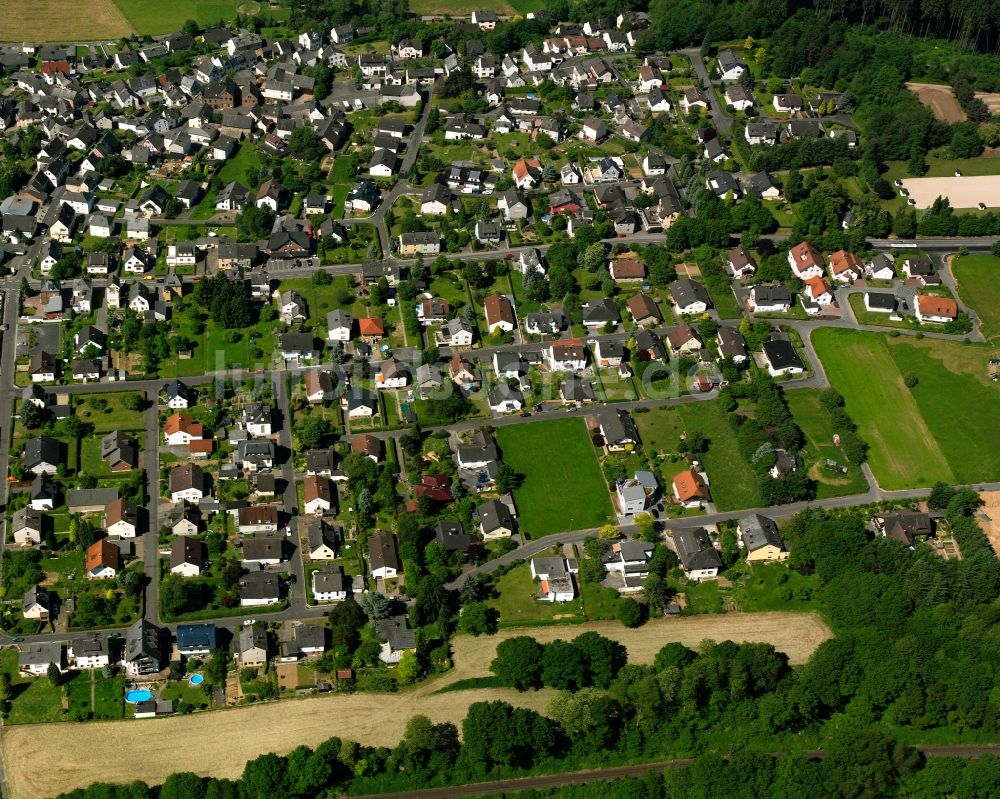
(817, 426)
(562, 486)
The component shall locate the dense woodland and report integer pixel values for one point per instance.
(915, 653)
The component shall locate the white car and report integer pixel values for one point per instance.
(248, 622)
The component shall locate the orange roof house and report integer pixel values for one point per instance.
(182, 423)
(690, 488)
(936, 309)
(371, 327)
(846, 265)
(103, 560)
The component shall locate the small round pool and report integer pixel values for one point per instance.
(196, 679)
(135, 697)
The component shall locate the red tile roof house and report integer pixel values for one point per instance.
(805, 261)
(371, 328)
(627, 269)
(103, 560)
(434, 486)
(690, 489)
(936, 310)
(566, 355)
(499, 313)
(846, 267)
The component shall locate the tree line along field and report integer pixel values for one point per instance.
(217, 743)
(563, 488)
(940, 429)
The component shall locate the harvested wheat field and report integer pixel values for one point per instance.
(992, 100)
(61, 21)
(217, 742)
(940, 99)
(989, 518)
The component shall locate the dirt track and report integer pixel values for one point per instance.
(963, 192)
(940, 99)
(218, 743)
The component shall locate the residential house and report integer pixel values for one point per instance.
(383, 557)
(119, 452)
(254, 519)
(495, 520)
(264, 550)
(625, 269)
(759, 536)
(770, 298)
(397, 638)
(740, 263)
(504, 399)
(600, 314)
(103, 560)
(805, 261)
(187, 482)
(699, 558)
(259, 588)
(635, 494)
(41, 455)
(35, 658)
(251, 646)
(782, 359)
(618, 430)
(690, 489)
(121, 518)
(180, 429)
(689, 297)
(330, 585)
(555, 580)
(499, 314)
(188, 556)
(143, 651)
(904, 526)
(36, 604)
(881, 267)
(319, 494)
(845, 267)
(935, 310)
(566, 355)
(196, 639)
(27, 526)
(731, 345)
(683, 340)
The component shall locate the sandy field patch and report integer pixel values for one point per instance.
(61, 20)
(217, 743)
(992, 100)
(940, 99)
(989, 518)
(963, 192)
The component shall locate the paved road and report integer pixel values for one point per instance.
(723, 122)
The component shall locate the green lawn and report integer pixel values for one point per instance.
(978, 278)
(149, 17)
(775, 587)
(660, 429)
(111, 414)
(599, 601)
(235, 168)
(817, 425)
(563, 488)
(33, 700)
(518, 603)
(913, 434)
(731, 481)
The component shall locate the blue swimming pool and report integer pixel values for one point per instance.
(196, 679)
(135, 697)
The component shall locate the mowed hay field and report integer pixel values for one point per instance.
(940, 99)
(61, 20)
(563, 488)
(153, 17)
(219, 742)
(978, 278)
(941, 429)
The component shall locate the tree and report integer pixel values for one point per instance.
(478, 618)
(313, 431)
(253, 224)
(264, 777)
(631, 613)
(507, 479)
(183, 785)
(609, 533)
(657, 593)
(409, 669)
(54, 675)
(32, 416)
(305, 144)
(604, 658)
(940, 496)
(133, 401)
(518, 662)
(646, 524)
(563, 666)
(375, 606)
